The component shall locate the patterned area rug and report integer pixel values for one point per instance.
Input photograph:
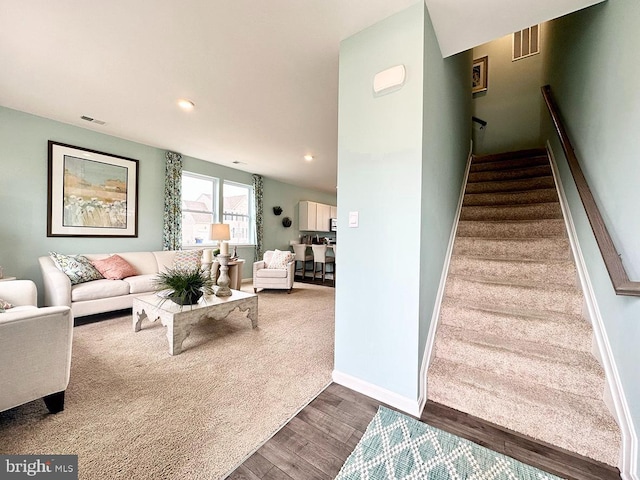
(395, 446)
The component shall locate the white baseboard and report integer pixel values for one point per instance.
(383, 395)
(435, 317)
(629, 451)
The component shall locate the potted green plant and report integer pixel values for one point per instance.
(184, 287)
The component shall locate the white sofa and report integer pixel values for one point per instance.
(35, 348)
(104, 295)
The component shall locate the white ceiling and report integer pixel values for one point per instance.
(263, 74)
(464, 24)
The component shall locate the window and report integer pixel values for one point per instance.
(526, 42)
(238, 212)
(199, 207)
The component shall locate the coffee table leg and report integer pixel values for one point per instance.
(138, 316)
(253, 312)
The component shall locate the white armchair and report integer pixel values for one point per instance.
(35, 348)
(266, 276)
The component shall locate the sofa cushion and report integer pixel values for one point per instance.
(280, 259)
(142, 283)
(164, 260)
(271, 273)
(143, 262)
(115, 268)
(99, 289)
(187, 260)
(77, 267)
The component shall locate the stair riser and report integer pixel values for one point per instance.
(509, 296)
(509, 164)
(535, 211)
(543, 195)
(534, 249)
(545, 422)
(575, 335)
(532, 272)
(515, 229)
(529, 172)
(511, 185)
(536, 369)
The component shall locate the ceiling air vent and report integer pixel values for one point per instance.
(92, 120)
(526, 42)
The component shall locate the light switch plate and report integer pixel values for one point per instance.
(353, 219)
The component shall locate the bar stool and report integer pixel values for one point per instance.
(320, 256)
(300, 255)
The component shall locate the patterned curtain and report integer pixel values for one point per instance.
(258, 192)
(172, 228)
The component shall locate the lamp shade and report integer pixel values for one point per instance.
(220, 231)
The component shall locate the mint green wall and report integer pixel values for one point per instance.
(23, 193)
(287, 197)
(379, 176)
(401, 158)
(512, 104)
(593, 70)
(446, 145)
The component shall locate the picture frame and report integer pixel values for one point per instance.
(91, 193)
(480, 74)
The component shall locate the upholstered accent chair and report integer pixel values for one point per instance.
(275, 270)
(35, 348)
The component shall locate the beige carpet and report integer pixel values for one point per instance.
(134, 412)
(512, 345)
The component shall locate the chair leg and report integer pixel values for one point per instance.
(324, 271)
(255, 290)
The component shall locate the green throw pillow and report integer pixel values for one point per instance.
(77, 267)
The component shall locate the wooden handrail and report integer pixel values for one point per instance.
(621, 283)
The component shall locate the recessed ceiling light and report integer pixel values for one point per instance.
(186, 104)
(308, 157)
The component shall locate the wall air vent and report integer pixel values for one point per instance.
(92, 120)
(526, 42)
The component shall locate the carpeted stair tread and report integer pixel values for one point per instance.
(512, 174)
(512, 212)
(511, 185)
(554, 298)
(535, 410)
(547, 271)
(557, 328)
(494, 157)
(509, 164)
(552, 248)
(556, 367)
(512, 345)
(545, 227)
(541, 195)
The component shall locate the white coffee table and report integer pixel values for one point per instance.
(180, 319)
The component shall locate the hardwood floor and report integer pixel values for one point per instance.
(317, 441)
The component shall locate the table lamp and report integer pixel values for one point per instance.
(221, 232)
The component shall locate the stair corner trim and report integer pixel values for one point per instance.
(407, 405)
(431, 337)
(629, 452)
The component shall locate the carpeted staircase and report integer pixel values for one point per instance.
(512, 346)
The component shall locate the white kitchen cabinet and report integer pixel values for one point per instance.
(315, 217)
(308, 215)
(324, 214)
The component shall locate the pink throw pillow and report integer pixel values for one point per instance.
(114, 268)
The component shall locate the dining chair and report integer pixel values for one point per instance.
(320, 257)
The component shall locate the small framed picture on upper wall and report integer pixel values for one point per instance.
(479, 74)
